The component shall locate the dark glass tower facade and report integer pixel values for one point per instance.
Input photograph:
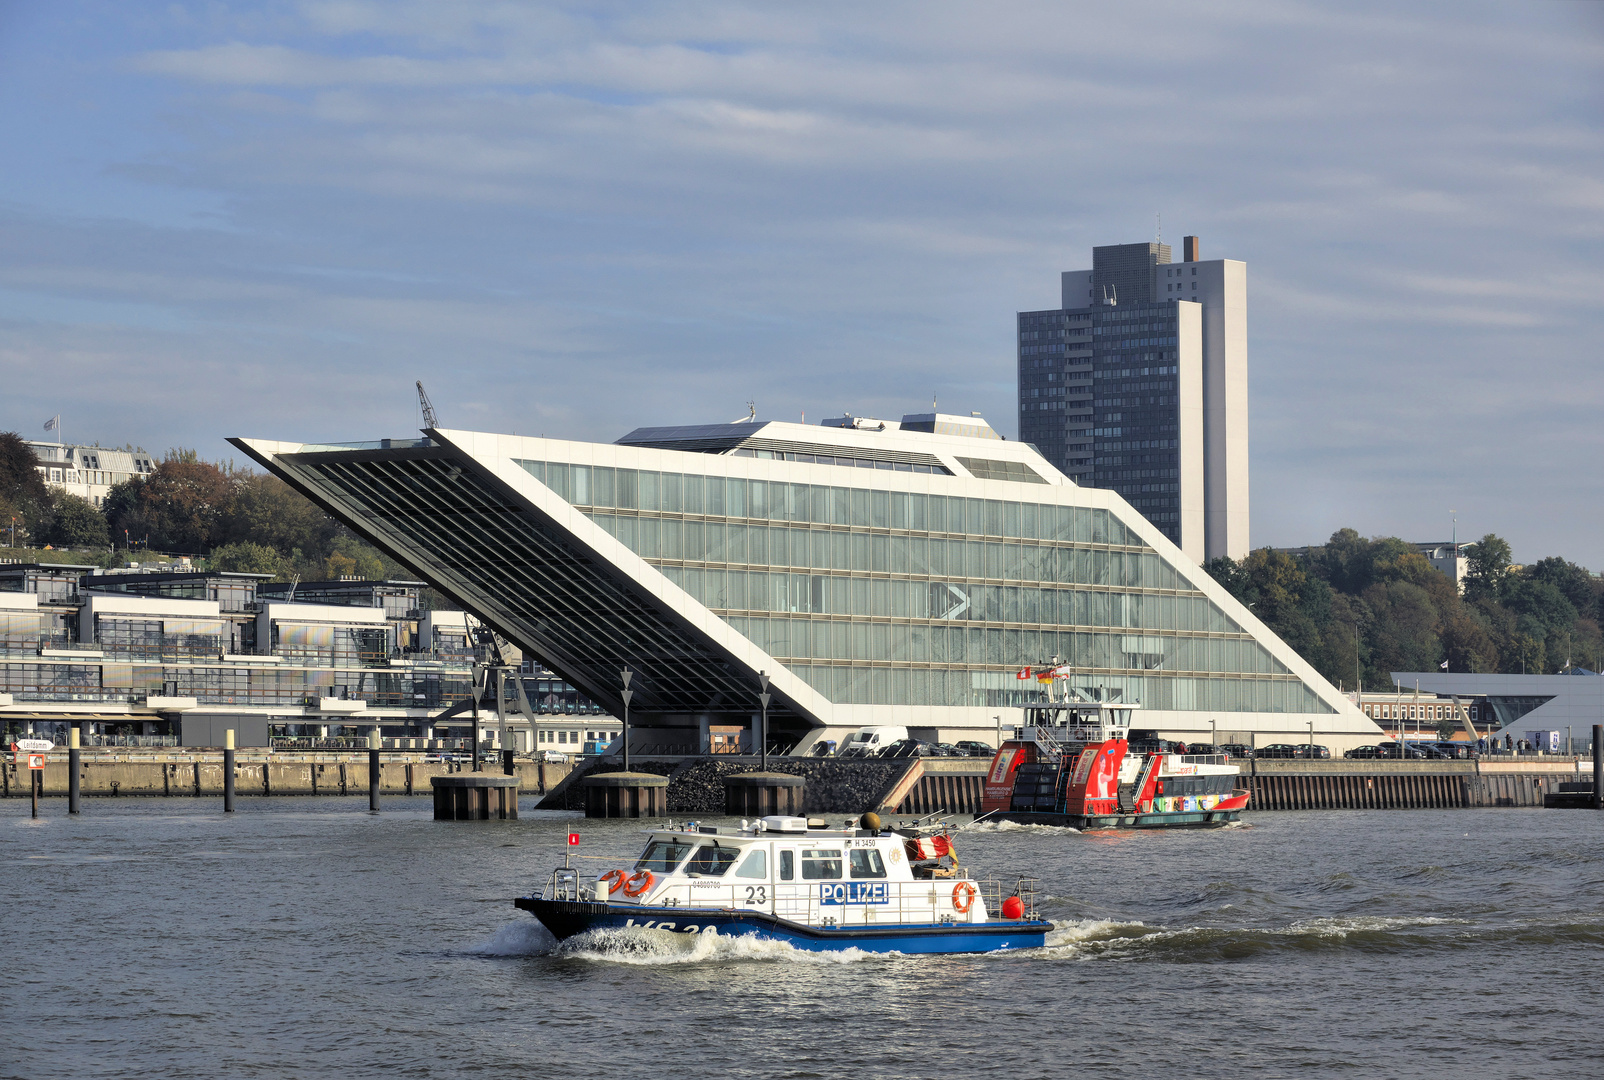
(1110, 388)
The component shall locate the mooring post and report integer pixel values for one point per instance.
(228, 771)
(35, 777)
(1598, 766)
(507, 767)
(74, 763)
(373, 770)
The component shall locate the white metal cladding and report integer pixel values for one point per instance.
(602, 579)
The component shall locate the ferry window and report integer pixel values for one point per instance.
(755, 866)
(711, 861)
(663, 856)
(821, 865)
(866, 863)
(787, 865)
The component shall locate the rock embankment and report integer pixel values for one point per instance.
(834, 787)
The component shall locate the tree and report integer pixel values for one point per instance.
(181, 506)
(268, 511)
(1578, 586)
(21, 486)
(1489, 566)
(77, 522)
(246, 558)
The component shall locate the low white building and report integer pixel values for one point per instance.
(90, 472)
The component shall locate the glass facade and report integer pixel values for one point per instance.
(882, 597)
(1099, 397)
(1136, 410)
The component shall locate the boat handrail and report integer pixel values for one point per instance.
(566, 884)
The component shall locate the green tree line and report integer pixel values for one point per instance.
(234, 518)
(1359, 609)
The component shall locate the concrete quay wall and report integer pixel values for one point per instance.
(201, 774)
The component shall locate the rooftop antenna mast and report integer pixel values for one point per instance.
(426, 406)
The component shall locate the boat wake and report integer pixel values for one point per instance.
(1015, 826)
(642, 947)
(526, 937)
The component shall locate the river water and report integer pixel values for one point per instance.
(308, 938)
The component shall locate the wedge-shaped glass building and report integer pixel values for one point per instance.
(878, 572)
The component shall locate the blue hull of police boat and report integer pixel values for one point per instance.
(566, 918)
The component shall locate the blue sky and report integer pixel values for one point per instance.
(269, 219)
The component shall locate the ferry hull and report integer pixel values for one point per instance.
(1198, 819)
(566, 918)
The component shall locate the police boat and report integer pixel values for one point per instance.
(799, 881)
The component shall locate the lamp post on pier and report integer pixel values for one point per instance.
(763, 747)
(628, 693)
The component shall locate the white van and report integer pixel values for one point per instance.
(869, 741)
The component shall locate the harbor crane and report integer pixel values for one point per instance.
(427, 406)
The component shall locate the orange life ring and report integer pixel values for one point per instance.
(640, 883)
(963, 897)
(615, 879)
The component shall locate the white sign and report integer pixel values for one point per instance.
(36, 761)
(36, 746)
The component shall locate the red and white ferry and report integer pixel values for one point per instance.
(1079, 763)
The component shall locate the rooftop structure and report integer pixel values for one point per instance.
(875, 573)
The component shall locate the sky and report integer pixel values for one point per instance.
(270, 219)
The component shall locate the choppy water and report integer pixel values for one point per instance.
(307, 938)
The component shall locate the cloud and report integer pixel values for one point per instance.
(573, 221)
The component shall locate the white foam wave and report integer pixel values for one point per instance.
(1339, 926)
(642, 947)
(1015, 826)
(527, 937)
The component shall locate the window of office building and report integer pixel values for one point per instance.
(879, 597)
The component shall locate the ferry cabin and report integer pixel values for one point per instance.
(833, 878)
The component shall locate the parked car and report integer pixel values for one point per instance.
(1237, 750)
(975, 749)
(1203, 748)
(1277, 750)
(1365, 753)
(945, 749)
(555, 756)
(905, 748)
(1393, 751)
(1313, 751)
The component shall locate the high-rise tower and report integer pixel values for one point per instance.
(1138, 383)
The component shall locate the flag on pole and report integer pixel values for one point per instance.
(53, 423)
(1023, 674)
(1443, 665)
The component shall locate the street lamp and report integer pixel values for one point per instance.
(763, 681)
(628, 693)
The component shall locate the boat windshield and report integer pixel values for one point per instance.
(712, 861)
(662, 856)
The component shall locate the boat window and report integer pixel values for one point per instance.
(866, 863)
(755, 866)
(787, 865)
(820, 864)
(662, 856)
(711, 861)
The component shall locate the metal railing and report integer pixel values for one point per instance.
(130, 740)
(920, 902)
